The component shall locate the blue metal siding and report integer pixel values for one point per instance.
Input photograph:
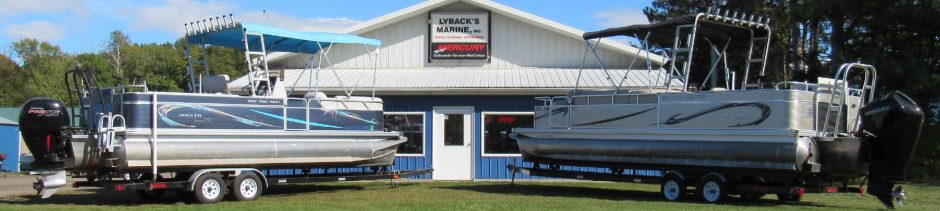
(494, 169)
(10, 144)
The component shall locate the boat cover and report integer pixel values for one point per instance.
(275, 39)
(663, 33)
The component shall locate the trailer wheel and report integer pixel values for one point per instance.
(673, 188)
(712, 189)
(247, 187)
(210, 188)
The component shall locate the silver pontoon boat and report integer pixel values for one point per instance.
(136, 133)
(734, 126)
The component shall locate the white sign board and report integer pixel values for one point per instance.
(459, 36)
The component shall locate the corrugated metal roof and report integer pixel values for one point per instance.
(11, 114)
(432, 79)
(5, 121)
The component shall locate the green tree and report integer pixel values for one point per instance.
(44, 65)
(13, 93)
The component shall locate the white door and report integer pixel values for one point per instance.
(453, 139)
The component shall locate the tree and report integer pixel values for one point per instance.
(44, 66)
(113, 49)
(13, 94)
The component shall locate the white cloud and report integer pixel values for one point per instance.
(618, 17)
(170, 15)
(297, 23)
(16, 7)
(40, 30)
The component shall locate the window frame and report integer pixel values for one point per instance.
(424, 134)
(483, 131)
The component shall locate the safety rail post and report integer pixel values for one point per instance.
(153, 136)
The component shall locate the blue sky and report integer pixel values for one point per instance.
(83, 25)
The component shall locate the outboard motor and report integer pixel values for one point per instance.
(890, 127)
(42, 123)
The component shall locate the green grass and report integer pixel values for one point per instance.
(465, 196)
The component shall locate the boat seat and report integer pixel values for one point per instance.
(215, 84)
(363, 99)
(315, 95)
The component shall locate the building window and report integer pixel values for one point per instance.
(496, 129)
(411, 125)
(453, 130)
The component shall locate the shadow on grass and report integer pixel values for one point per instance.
(130, 198)
(530, 189)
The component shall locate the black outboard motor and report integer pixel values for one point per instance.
(42, 121)
(890, 127)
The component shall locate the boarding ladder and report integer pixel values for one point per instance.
(258, 77)
(759, 62)
(839, 98)
(681, 60)
(195, 86)
(109, 126)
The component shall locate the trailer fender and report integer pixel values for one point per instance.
(716, 174)
(677, 173)
(191, 182)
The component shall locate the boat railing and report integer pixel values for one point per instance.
(210, 25)
(292, 105)
(812, 87)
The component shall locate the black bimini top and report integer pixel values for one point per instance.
(716, 29)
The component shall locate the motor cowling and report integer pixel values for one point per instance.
(890, 127)
(42, 123)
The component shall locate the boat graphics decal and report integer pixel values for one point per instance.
(202, 115)
(353, 116)
(765, 112)
(615, 118)
(560, 110)
(296, 120)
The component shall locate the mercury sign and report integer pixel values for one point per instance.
(459, 36)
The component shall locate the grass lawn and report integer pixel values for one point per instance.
(464, 196)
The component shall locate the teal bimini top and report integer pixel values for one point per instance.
(275, 39)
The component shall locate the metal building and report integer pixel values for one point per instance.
(10, 145)
(457, 75)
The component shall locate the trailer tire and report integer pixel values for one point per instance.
(247, 187)
(673, 188)
(712, 189)
(209, 189)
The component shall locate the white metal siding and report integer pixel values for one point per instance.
(513, 42)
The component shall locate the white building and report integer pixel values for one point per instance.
(457, 106)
